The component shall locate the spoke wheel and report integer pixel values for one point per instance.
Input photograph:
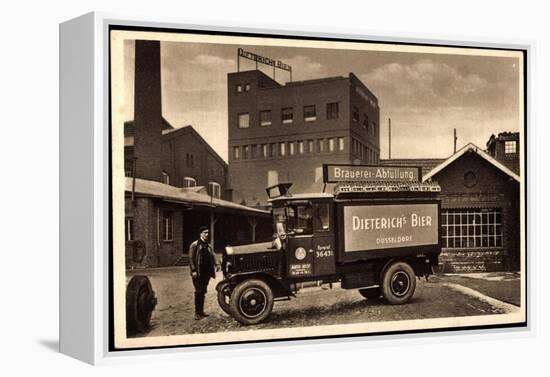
(398, 283)
(251, 302)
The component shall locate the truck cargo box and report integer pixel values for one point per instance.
(377, 228)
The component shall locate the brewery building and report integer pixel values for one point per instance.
(284, 133)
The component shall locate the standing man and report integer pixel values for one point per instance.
(203, 267)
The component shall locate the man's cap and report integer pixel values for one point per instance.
(203, 228)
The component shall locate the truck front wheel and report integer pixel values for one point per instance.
(398, 283)
(224, 298)
(251, 302)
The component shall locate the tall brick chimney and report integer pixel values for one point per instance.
(147, 111)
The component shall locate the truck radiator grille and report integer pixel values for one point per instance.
(257, 262)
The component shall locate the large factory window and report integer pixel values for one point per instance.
(332, 110)
(244, 120)
(309, 113)
(287, 115)
(265, 118)
(475, 228)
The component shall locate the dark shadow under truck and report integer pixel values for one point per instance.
(375, 238)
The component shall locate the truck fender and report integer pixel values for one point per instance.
(280, 289)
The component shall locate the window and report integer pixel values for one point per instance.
(300, 147)
(255, 151)
(355, 115)
(128, 173)
(510, 147)
(247, 87)
(366, 122)
(310, 146)
(282, 149)
(287, 115)
(309, 113)
(246, 152)
(265, 118)
(236, 154)
(189, 182)
(214, 189)
(272, 148)
(167, 226)
(331, 144)
(340, 143)
(291, 149)
(129, 231)
(322, 216)
(476, 228)
(244, 120)
(264, 150)
(320, 145)
(239, 88)
(332, 110)
(165, 178)
(373, 128)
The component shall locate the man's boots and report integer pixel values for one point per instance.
(198, 306)
(202, 313)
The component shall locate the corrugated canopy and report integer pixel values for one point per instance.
(160, 190)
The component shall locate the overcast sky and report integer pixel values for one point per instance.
(425, 95)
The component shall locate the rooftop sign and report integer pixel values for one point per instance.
(370, 173)
(264, 60)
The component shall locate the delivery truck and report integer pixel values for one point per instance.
(377, 233)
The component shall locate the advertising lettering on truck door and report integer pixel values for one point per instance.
(375, 227)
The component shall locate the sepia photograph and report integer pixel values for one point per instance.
(269, 187)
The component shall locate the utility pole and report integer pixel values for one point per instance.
(455, 138)
(389, 137)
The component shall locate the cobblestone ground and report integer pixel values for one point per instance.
(313, 306)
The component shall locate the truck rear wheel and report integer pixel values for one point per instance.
(251, 302)
(371, 293)
(398, 283)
